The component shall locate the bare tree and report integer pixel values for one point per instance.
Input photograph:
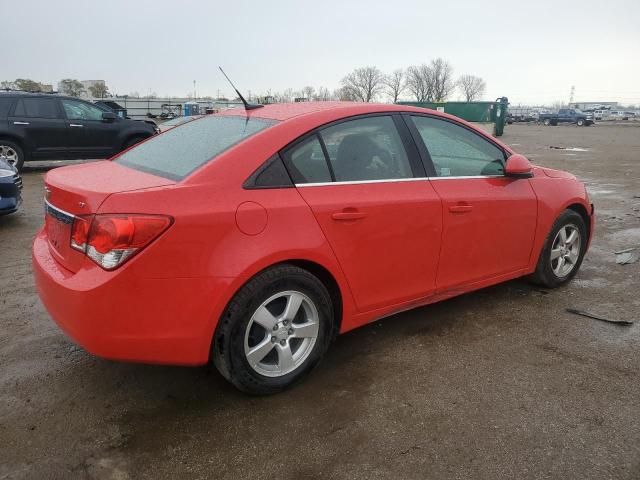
(72, 87)
(308, 91)
(472, 87)
(442, 79)
(27, 85)
(419, 82)
(7, 85)
(99, 90)
(395, 84)
(364, 84)
(322, 95)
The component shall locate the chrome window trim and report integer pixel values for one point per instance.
(390, 180)
(58, 213)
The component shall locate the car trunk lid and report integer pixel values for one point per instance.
(80, 190)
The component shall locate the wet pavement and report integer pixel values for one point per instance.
(500, 383)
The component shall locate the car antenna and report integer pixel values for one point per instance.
(247, 105)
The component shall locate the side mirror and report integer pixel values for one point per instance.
(518, 167)
(109, 116)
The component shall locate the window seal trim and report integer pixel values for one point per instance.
(392, 180)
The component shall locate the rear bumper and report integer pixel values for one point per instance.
(122, 316)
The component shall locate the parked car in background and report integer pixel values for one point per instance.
(566, 115)
(519, 114)
(174, 122)
(10, 185)
(40, 126)
(251, 238)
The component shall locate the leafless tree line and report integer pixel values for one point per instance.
(428, 82)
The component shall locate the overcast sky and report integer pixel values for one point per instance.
(530, 51)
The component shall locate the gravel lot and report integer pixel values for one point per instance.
(501, 383)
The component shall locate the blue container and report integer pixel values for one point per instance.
(191, 108)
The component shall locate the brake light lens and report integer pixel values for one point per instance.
(110, 240)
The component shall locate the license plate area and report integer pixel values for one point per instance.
(58, 224)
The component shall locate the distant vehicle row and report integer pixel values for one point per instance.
(36, 126)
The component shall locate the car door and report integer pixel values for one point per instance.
(489, 220)
(365, 184)
(89, 135)
(38, 120)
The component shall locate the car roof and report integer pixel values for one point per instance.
(287, 111)
(21, 93)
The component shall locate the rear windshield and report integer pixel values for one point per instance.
(179, 151)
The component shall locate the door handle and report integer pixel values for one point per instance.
(76, 125)
(343, 216)
(21, 123)
(463, 208)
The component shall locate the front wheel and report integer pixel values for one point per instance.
(547, 122)
(274, 331)
(11, 153)
(580, 123)
(563, 251)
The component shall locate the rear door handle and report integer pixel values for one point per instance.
(465, 208)
(342, 216)
(21, 123)
(77, 125)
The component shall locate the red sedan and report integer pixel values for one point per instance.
(252, 238)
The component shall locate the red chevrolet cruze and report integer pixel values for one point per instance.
(251, 238)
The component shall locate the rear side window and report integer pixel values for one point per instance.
(457, 151)
(307, 163)
(5, 105)
(366, 149)
(37, 108)
(179, 151)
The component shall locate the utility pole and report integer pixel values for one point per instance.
(194, 91)
(573, 90)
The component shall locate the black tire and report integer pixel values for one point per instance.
(547, 122)
(17, 148)
(544, 274)
(580, 123)
(132, 141)
(228, 346)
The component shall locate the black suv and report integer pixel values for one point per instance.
(41, 126)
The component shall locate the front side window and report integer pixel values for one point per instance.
(179, 151)
(457, 151)
(367, 148)
(76, 110)
(36, 108)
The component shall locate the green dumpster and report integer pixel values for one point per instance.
(492, 115)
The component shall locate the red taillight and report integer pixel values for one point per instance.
(80, 232)
(109, 240)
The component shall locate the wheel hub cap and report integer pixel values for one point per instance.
(281, 334)
(565, 250)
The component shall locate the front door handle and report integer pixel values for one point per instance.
(461, 208)
(343, 216)
(77, 125)
(21, 123)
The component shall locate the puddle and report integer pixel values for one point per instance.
(570, 149)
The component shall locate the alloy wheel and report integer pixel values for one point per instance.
(8, 154)
(565, 250)
(281, 333)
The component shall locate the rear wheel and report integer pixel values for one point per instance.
(11, 153)
(547, 122)
(563, 251)
(274, 331)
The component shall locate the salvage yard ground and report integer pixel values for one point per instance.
(501, 383)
